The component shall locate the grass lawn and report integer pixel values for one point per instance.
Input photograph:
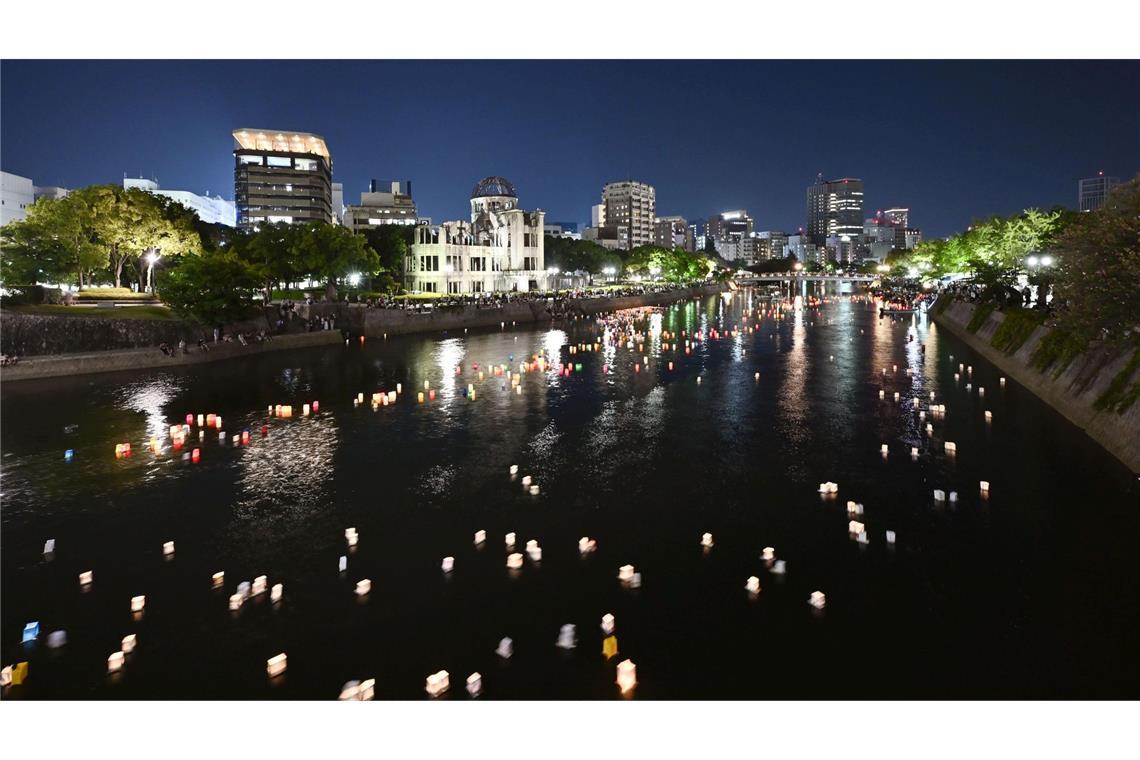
(116, 312)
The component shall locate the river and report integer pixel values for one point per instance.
(1027, 593)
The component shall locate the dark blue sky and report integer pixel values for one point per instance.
(953, 140)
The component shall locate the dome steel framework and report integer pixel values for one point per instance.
(494, 186)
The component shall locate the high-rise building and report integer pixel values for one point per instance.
(1091, 192)
(800, 246)
(598, 215)
(338, 202)
(210, 209)
(729, 225)
(835, 209)
(673, 232)
(897, 216)
(384, 203)
(770, 244)
(632, 205)
(281, 177)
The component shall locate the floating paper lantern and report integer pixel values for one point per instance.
(896, 395)
(1001, 382)
(953, 496)
(922, 415)
(625, 573)
(168, 548)
(883, 449)
(890, 536)
(855, 527)
(49, 546)
(342, 563)
(566, 637)
(316, 406)
(981, 392)
(779, 567)
(913, 451)
(989, 416)
(426, 385)
(862, 538)
(56, 639)
(534, 490)
(68, 455)
(968, 386)
(607, 624)
(218, 579)
(276, 665)
(626, 675)
(929, 429)
(305, 410)
(128, 644)
(244, 589)
(431, 395)
(363, 587)
(756, 376)
(514, 561)
(609, 647)
(86, 577)
(276, 592)
(752, 585)
(115, 662)
(526, 481)
(474, 684)
(932, 395)
(480, 537)
(138, 603)
(509, 540)
(31, 632)
(818, 600)
(420, 397)
(438, 683)
(236, 601)
(939, 494)
(707, 540)
(259, 584)
(951, 447)
(768, 554)
(670, 366)
(984, 487)
(505, 649)
(854, 508)
(586, 545)
(447, 564)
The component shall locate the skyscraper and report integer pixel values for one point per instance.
(632, 205)
(730, 226)
(1091, 192)
(281, 177)
(834, 209)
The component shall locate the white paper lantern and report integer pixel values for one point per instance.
(276, 665)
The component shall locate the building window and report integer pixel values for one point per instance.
(453, 287)
(279, 161)
(478, 263)
(429, 263)
(427, 286)
(530, 262)
(305, 164)
(454, 263)
(250, 160)
(477, 286)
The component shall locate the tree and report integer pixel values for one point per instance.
(55, 243)
(1098, 268)
(329, 252)
(216, 286)
(270, 253)
(570, 255)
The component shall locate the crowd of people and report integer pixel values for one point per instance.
(219, 337)
(499, 299)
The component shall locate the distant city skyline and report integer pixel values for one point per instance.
(953, 141)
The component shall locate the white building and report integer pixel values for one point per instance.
(501, 248)
(338, 202)
(16, 194)
(632, 205)
(210, 209)
(391, 205)
(598, 215)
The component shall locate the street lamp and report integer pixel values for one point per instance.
(150, 259)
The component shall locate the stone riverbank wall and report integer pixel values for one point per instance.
(1073, 392)
(53, 346)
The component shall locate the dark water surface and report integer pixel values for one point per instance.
(1032, 593)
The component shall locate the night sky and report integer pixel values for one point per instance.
(954, 140)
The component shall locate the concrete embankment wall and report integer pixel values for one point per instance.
(64, 345)
(59, 365)
(1073, 393)
(28, 335)
(378, 322)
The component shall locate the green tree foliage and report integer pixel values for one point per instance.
(1098, 270)
(211, 288)
(672, 265)
(391, 243)
(329, 252)
(579, 255)
(55, 243)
